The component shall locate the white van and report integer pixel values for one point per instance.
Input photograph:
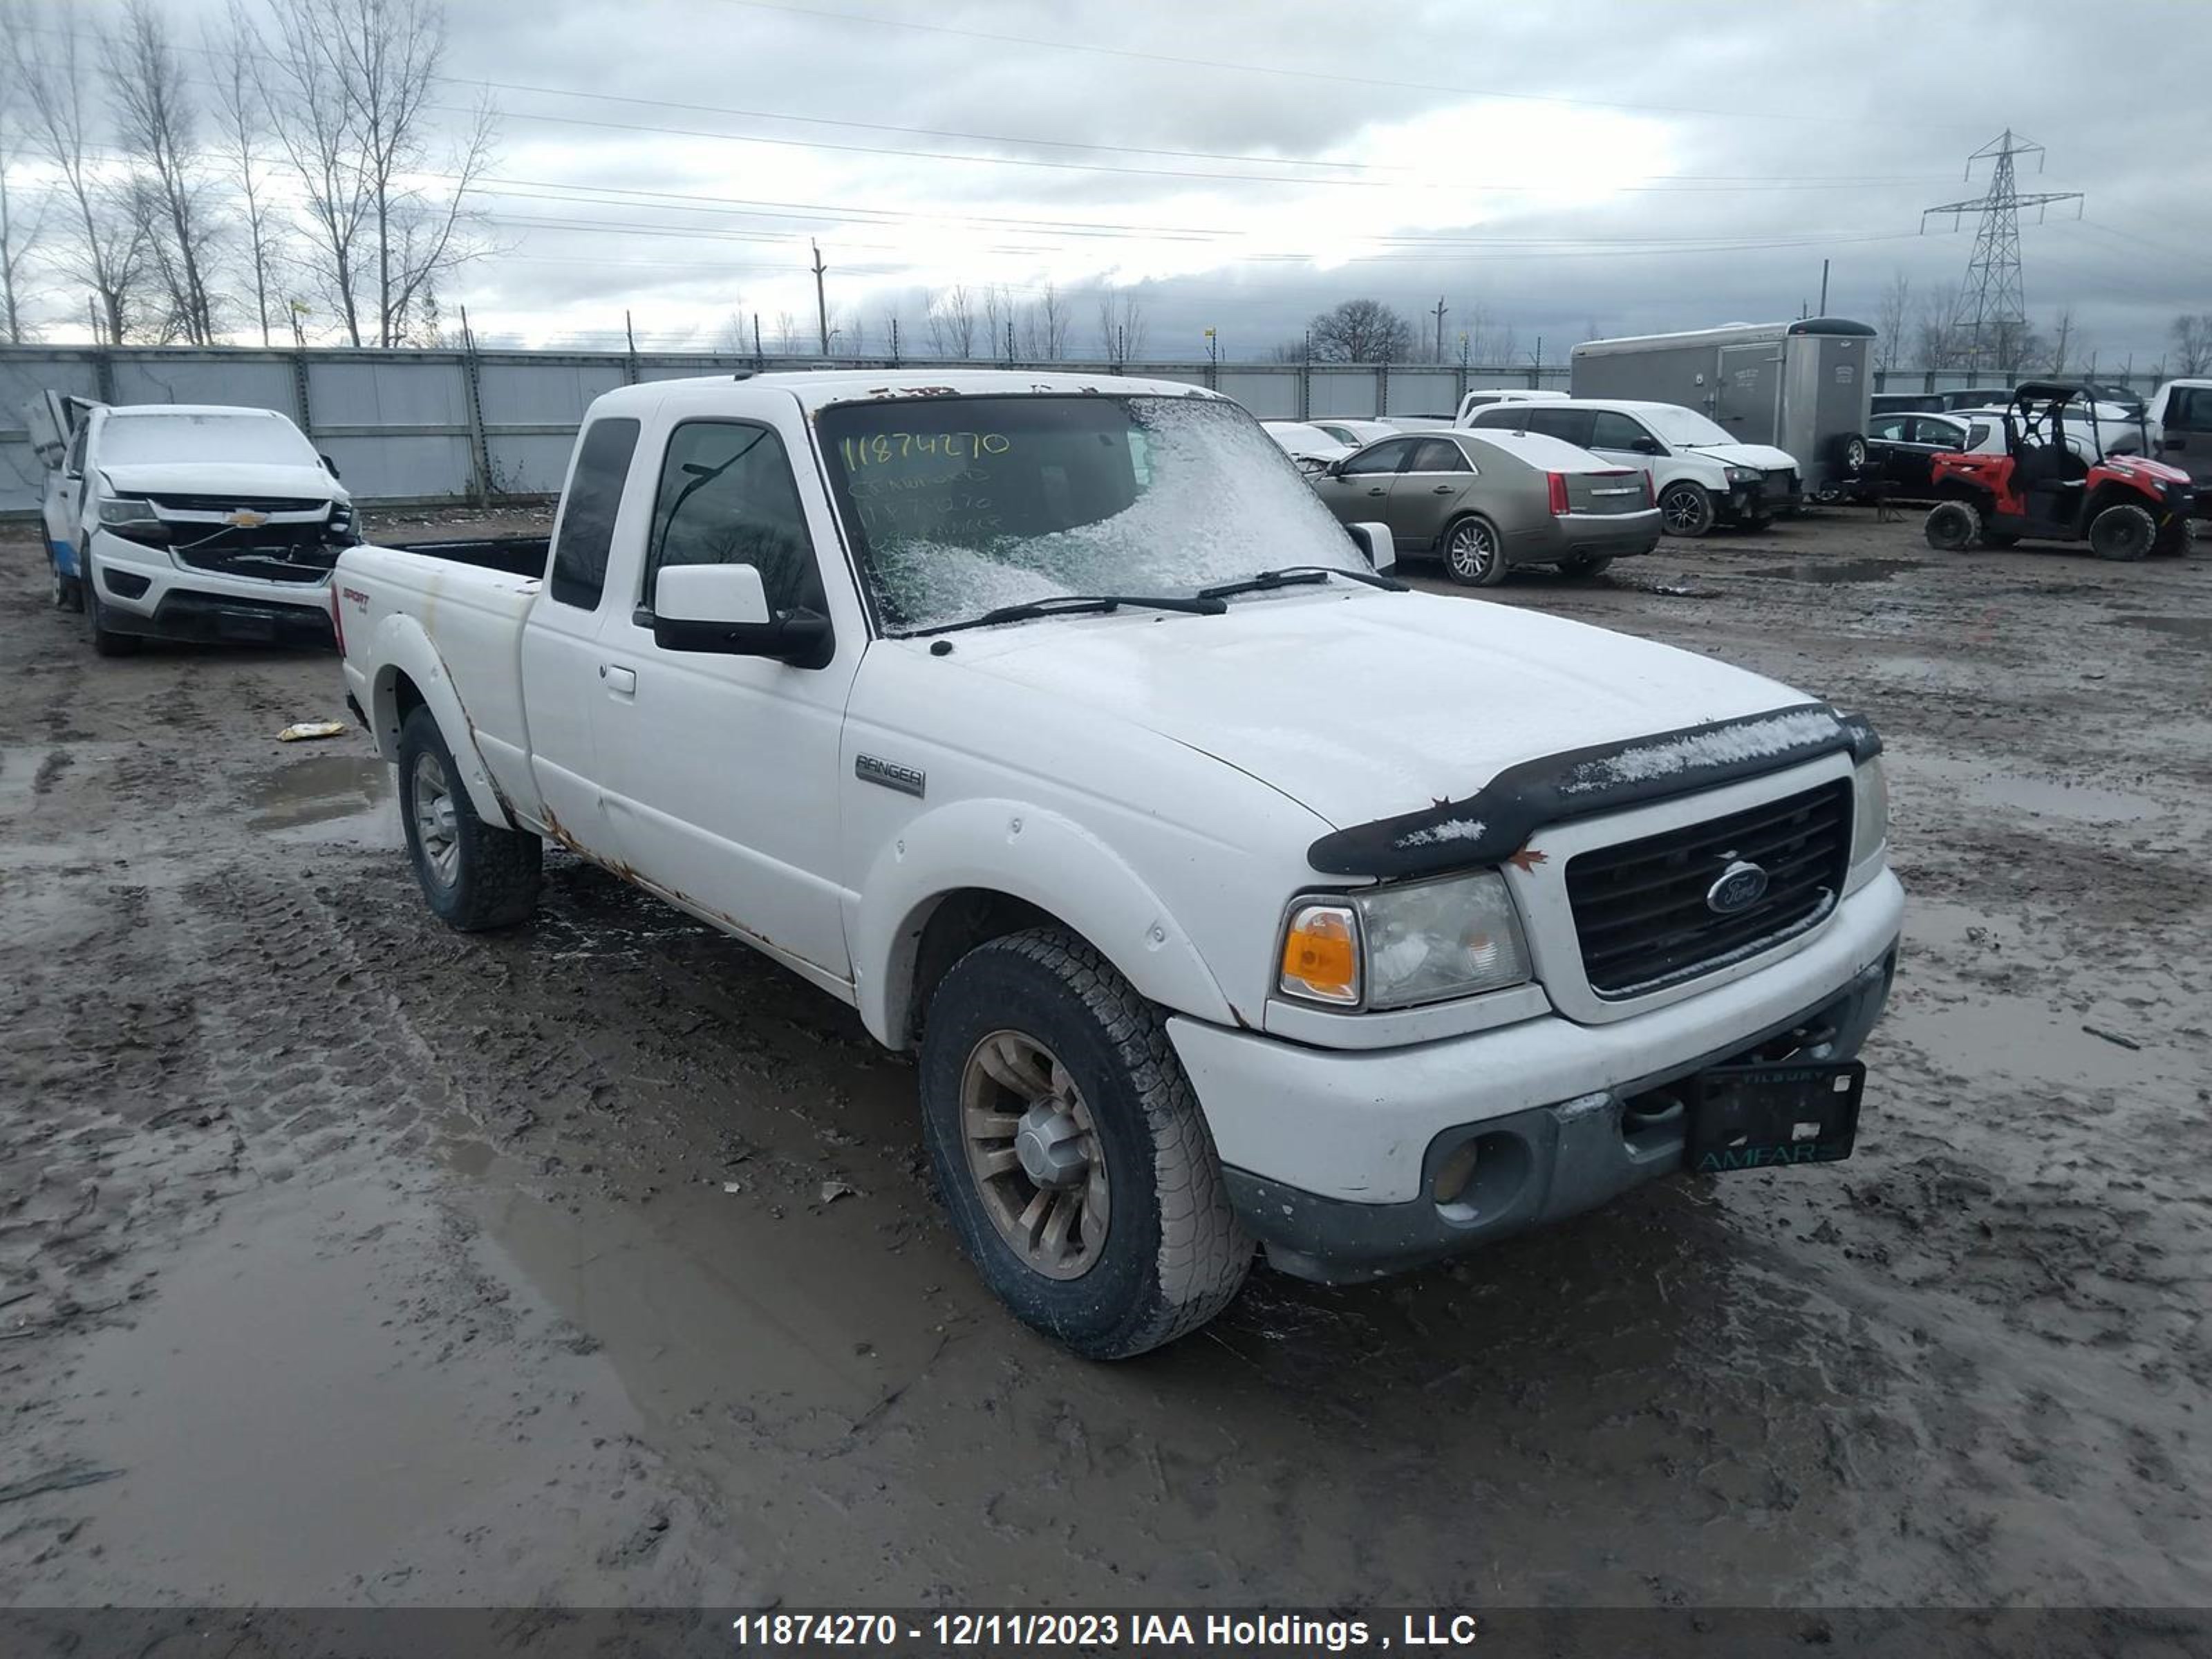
(190, 521)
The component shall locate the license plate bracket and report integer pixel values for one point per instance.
(1772, 1117)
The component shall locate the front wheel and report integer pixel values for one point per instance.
(1473, 557)
(1071, 1154)
(1685, 509)
(1951, 526)
(2122, 533)
(105, 640)
(1851, 450)
(66, 591)
(2173, 541)
(473, 876)
(1584, 564)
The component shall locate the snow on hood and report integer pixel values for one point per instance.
(1766, 457)
(304, 482)
(1363, 705)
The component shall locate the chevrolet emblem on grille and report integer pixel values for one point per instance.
(1741, 886)
(246, 520)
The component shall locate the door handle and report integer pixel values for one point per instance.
(1380, 489)
(1445, 490)
(623, 682)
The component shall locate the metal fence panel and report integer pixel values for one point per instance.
(404, 425)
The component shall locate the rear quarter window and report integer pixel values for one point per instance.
(587, 514)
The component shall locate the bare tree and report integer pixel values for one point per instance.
(1120, 325)
(952, 318)
(18, 236)
(1893, 318)
(158, 127)
(2063, 345)
(789, 338)
(1044, 326)
(2192, 344)
(1361, 332)
(106, 249)
(1935, 344)
(356, 79)
(998, 319)
(242, 122)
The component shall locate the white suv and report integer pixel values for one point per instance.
(1700, 475)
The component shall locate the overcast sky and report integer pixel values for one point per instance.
(1558, 167)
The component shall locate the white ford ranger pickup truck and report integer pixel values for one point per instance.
(1227, 892)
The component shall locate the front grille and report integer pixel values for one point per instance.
(1640, 912)
(1782, 482)
(237, 503)
(274, 553)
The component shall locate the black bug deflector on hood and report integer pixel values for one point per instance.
(1498, 819)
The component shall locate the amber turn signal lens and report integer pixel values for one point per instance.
(1320, 955)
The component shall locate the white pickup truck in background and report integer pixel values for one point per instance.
(187, 522)
(1226, 889)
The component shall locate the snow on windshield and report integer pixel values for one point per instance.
(1684, 426)
(956, 506)
(127, 439)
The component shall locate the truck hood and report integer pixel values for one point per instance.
(1766, 457)
(1366, 705)
(302, 483)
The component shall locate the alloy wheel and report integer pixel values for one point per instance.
(1034, 1153)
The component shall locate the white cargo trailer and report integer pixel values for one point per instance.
(1800, 386)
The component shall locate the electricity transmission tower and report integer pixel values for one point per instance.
(1990, 323)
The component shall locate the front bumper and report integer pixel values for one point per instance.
(1331, 1155)
(164, 601)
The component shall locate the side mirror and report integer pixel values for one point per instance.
(723, 609)
(1374, 541)
(1648, 446)
(329, 465)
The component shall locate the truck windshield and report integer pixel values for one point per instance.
(957, 506)
(1685, 427)
(126, 439)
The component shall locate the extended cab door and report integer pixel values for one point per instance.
(563, 664)
(721, 771)
(63, 504)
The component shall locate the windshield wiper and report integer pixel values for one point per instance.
(1297, 575)
(1076, 605)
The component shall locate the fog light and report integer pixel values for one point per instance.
(1455, 1172)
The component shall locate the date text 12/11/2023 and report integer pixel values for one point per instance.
(1010, 1630)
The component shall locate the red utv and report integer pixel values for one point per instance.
(2053, 484)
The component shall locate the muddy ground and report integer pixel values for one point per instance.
(348, 1259)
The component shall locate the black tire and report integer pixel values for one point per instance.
(105, 640)
(479, 877)
(1585, 564)
(68, 594)
(2174, 541)
(1473, 556)
(1685, 509)
(1953, 526)
(1171, 1254)
(2122, 533)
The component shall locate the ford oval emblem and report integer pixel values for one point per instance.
(1741, 886)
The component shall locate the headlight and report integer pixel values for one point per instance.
(1869, 816)
(1395, 946)
(1743, 475)
(126, 509)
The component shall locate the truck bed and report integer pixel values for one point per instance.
(518, 556)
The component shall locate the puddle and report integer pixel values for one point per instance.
(2197, 631)
(1829, 573)
(2058, 798)
(318, 789)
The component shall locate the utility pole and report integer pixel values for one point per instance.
(894, 350)
(759, 357)
(1992, 314)
(1824, 287)
(1440, 328)
(821, 305)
